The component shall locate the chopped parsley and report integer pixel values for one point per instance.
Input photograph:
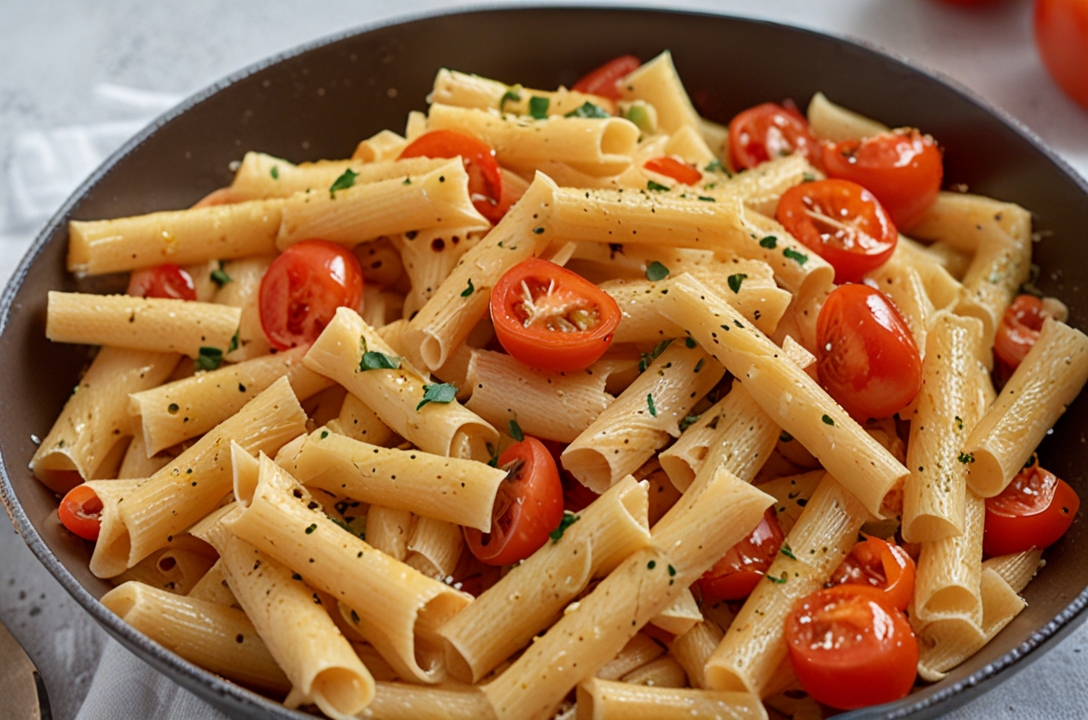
(234, 341)
(275, 172)
(209, 358)
(735, 281)
(769, 242)
(569, 519)
(777, 580)
(346, 180)
(808, 177)
(690, 343)
(699, 365)
(656, 186)
(469, 290)
(219, 277)
(716, 166)
(513, 94)
(310, 529)
(828, 420)
(656, 272)
(707, 198)
(792, 254)
(538, 107)
(966, 458)
(373, 360)
(959, 423)
(785, 550)
(442, 394)
(647, 358)
(651, 565)
(672, 571)
(515, 430)
(324, 434)
(650, 404)
(688, 421)
(588, 110)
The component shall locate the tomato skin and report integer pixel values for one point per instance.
(79, 512)
(538, 346)
(744, 565)
(222, 196)
(1019, 329)
(671, 167)
(527, 508)
(162, 281)
(1061, 36)
(604, 80)
(769, 131)
(850, 650)
(484, 177)
(881, 567)
(1034, 511)
(851, 229)
(303, 288)
(866, 357)
(902, 168)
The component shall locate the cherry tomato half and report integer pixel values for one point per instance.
(842, 222)
(850, 650)
(79, 510)
(222, 196)
(549, 318)
(881, 566)
(162, 281)
(744, 565)
(1061, 35)
(604, 80)
(866, 357)
(902, 168)
(484, 176)
(1033, 511)
(769, 131)
(671, 167)
(303, 288)
(1019, 329)
(528, 506)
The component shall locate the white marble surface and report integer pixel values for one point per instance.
(82, 76)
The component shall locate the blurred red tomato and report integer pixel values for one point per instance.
(1061, 34)
(972, 3)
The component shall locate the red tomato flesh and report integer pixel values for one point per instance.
(842, 222)
(866, 357)
(528, 506)
(903, 169)
(1034, 511)
(880, 566)
(604, 80)
(550, 318)
(1061, 36)
(769, 131)
(671, 167)
(303, 288)
(79, 512)
(162, 281)
(849, 650)
(744, 565)
(1019, 329)
(484, 176)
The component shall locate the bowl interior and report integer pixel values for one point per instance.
(319, 102)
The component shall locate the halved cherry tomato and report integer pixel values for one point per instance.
(850, 650)
(162, 281)
(1061, 35)
(769, 131)
(1033, 511)
(744, 565)
(842, 222)
(484, 176)
(550, 318)
(902, 168)
(603, 80)
(881, 566)
(79, 511)
(866, 357)
(678, 171)
(1019, 329)
(303, 288)
(528, 506)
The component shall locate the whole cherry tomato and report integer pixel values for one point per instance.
(671, 167)
(880, 566)
(769, 131)
(550, 318)
(902, 168)
(1061, 35)
(303, 288)
(1034, 510)
(484, 176)
(842, 222)
(744, 565)
(1019, 329)
(528, 506)
(866, 357)
(79, 511)
(850, 650)
(162, 281)
(603, 80)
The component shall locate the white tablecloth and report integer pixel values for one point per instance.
(78, 78)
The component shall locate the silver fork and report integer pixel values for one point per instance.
(23, 689)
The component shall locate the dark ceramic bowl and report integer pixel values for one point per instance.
(319, 101)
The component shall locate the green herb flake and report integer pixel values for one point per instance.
(407, 181)
(785, 550)
(173, 408)
(959, 423)
(650, 403)
(808, 177)
(310, 530)
(647, 358)
(688, 421)
(769, 242)
(651, 565)
(966, 458)
(828, 420)
(512, 94)
(234, 341)
(655, 272)
(672, 571)
(538, 107)
(493, 453)
(588, 110)
(785, 437)
(707, 198)
(442, 394)
(792, 254)
(209, 358)
(515, 430)
(735, 282)
(536, 231)
(716, 166)
(569, 519)
(220, 278)
(699, 365)
(324, 434)
(275, 172)
(656, 186)
(373, 360)
(690, 343)
(346, 180)
(355, 617)
(777, 580)
(469, 290)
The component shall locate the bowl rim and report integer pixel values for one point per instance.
(197, 678)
